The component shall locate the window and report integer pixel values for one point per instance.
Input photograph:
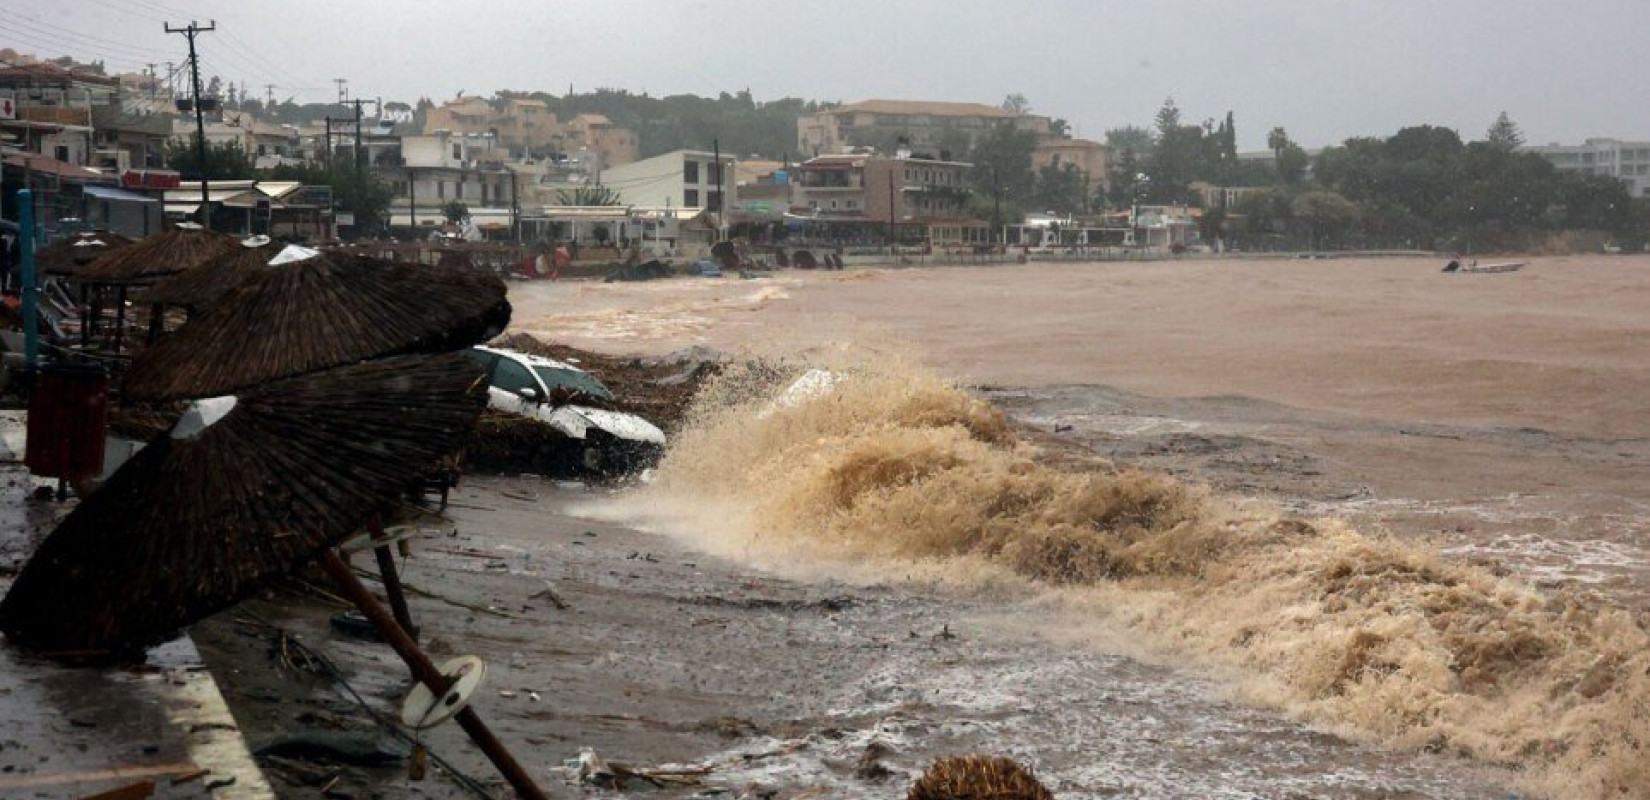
(460, 193)
(458, 152)
(690, 198)
(690, 173)
(482, 357)
(512, 377)
(713, 201)
(441, 189)
(716, 174)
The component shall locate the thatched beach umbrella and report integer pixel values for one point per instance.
(978, 778)
(315, 313)
(169, 252)
(209, 282)
(241, 490)
(68, 256)
(166, 253)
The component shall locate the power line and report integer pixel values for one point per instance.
(47, 45)
(45, 29)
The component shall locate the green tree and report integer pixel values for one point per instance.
(1276, 140)
(1060, 188)
(359, 193)
(224, 160)
(589, 194)
(1504, 134)
(1176, 158)
(455, 211)
(1326, 217)
(1002, 161)
(1017, 103)
(1131, 138)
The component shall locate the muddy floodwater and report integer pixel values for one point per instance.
(1503, 413)
(1470, 451)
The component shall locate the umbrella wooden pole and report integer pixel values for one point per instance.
(120, 318)
(424, 671)
(392, 580)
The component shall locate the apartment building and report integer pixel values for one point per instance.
(689, 179)
(1627, 161)
(922, 124)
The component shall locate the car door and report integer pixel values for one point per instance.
(504, 390)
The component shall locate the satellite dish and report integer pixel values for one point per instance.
(423, 709)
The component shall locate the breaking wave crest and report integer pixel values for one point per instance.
(1366, 634)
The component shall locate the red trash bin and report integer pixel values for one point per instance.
(68, 421)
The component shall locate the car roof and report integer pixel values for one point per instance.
(529, 359)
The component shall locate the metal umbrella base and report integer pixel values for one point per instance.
(425, 671)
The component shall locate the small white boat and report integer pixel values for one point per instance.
(1509, 266)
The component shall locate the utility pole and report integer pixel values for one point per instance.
(328, 155)
(269, 95)
(360, 155)
(716, 146)
(152, 79)
(412, 201)
(996, 205)
(343, 93)
(189, 32)
(515, 209)
(891, 208)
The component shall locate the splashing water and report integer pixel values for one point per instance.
(897, 472)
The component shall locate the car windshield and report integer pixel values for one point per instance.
(574, 380)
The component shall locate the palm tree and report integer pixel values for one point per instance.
(588, 194)
(1277, 140)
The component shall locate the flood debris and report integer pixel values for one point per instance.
(978, 778)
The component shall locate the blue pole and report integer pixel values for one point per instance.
(31, 322)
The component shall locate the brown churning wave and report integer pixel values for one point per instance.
(1363, 633)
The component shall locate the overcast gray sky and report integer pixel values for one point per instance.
(1323, 69)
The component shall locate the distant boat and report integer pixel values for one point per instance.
(1509, 266)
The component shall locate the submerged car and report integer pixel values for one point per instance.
(551, 392)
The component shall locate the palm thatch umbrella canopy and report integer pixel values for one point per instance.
(242, 489)
(978, 778)
(205, 284)
(169, 252)
(316, 313)
(68, 256)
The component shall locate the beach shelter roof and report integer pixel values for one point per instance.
(210, 281)
(68, 256)
(319, 311)
(241, 490)
(166, 253)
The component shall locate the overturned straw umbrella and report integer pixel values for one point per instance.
(241, 490)
(319, 311)
(207, 283)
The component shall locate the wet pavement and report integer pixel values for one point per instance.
(72, 732)
(765, 685)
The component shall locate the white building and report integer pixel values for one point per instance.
(1627, 161)
(438, 168)
(687, 179)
